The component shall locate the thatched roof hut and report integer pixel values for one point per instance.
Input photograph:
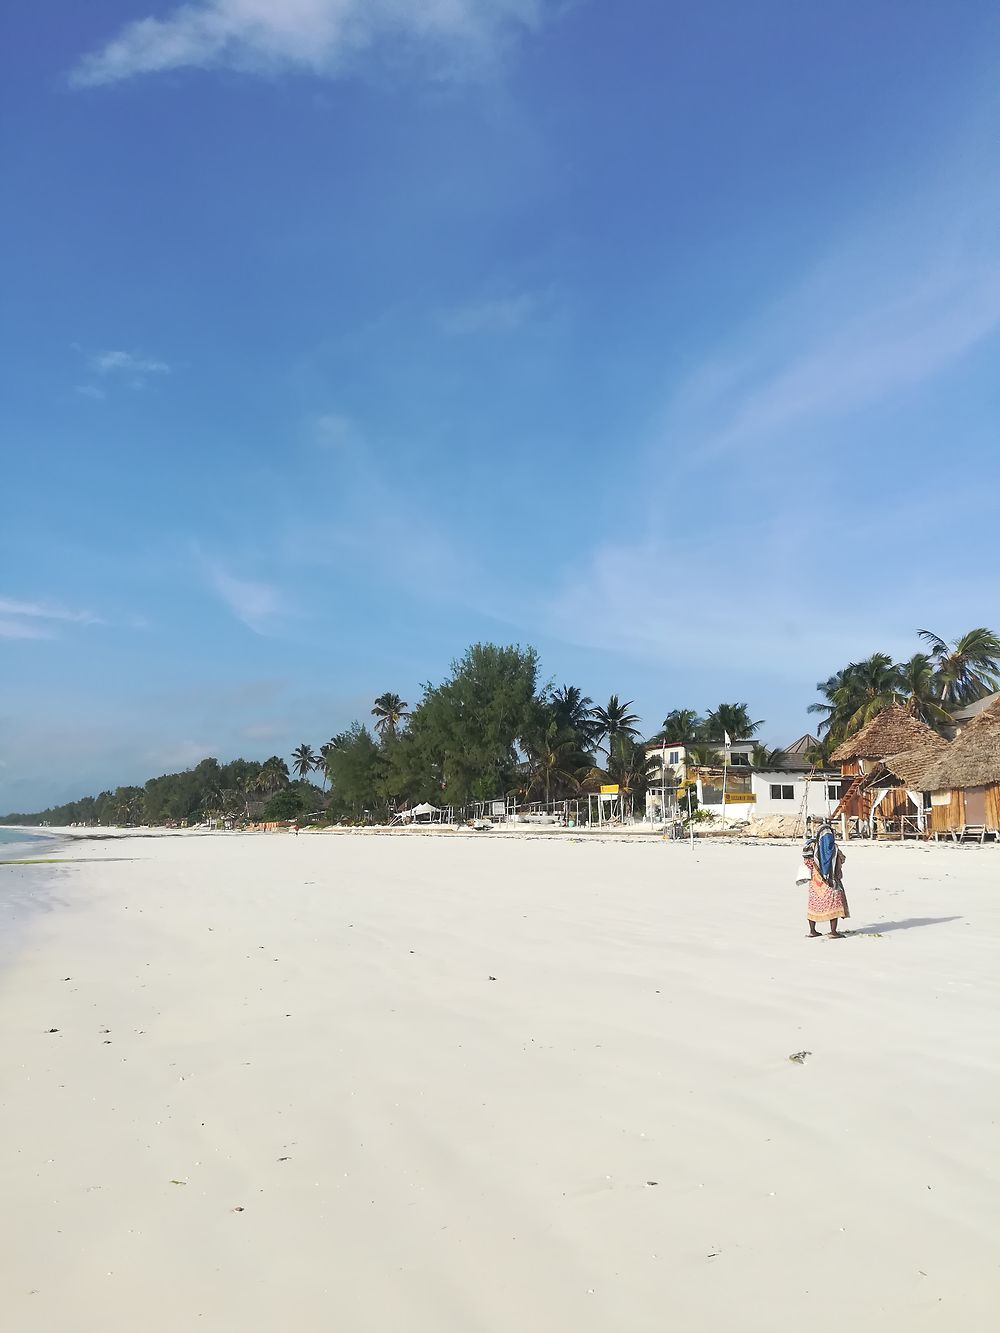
(893, 731)
(973, 757)
(911, 767)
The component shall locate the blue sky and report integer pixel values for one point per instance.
(342, 333)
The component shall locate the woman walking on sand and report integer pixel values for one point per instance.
(827, 900)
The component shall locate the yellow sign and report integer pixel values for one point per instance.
(740, 798)
(611, 790)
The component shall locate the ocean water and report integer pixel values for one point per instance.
(16, 843)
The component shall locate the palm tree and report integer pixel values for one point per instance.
(819, 754)
(764, 758)
(629, 765)
(966, 669)
(390, 710)
(554, 759)
(703, 755)
(732, 720)
(274, 774)
(919, 686)
(303, 759)
(575, 710)
(681, 726)
(869, 687)
(615, 721)
(323, 762)
(857, 694)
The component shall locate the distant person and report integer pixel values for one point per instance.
(295, 827)
(823, 861)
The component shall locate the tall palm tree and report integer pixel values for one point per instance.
(966, 669)
(390, 710)
(868, 688)
(575, 710)
(554, 760)
(323, 761)
(681, 726)
(732, 720)
(629, 766)
(274, 774)
(303, 760)
(919, 686)
(615, 720)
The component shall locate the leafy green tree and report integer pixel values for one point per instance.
(464, 737)
(356, 766)
(299, 800)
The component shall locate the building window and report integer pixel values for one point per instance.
(740, 760)
(833, 791)
(782, 793)
(674, 757)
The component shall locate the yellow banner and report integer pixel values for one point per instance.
(611, 790)
(740, 798)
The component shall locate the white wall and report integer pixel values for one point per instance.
(765, 805)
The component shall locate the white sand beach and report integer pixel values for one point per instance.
(451, 1084)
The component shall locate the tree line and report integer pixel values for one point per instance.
(492, 730)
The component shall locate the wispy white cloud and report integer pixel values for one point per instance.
(129, 365)
(502, 315)
(38, 620)
(885, 313)
(91, 391)
(254, 603)
(318, 36)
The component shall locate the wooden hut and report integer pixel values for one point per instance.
(892, 732)
(964, 782)
(895, 787)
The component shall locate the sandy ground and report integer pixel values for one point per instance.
(477, 1085)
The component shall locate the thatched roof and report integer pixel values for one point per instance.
(911, 767)
(892, 731)
(973, 757)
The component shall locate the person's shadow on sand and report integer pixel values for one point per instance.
(883, 927)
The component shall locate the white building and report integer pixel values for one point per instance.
(791, 786)
(783, 793)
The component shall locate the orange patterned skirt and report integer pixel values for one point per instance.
(825, 904)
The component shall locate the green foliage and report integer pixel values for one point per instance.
(615, 721)
(463, 737)
(681, 726)
(390, 710)
(489, 730)
(356, 767)
(730, 719)
(930, 685)
(298, 800)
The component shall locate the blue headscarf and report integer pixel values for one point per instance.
(826, 853)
